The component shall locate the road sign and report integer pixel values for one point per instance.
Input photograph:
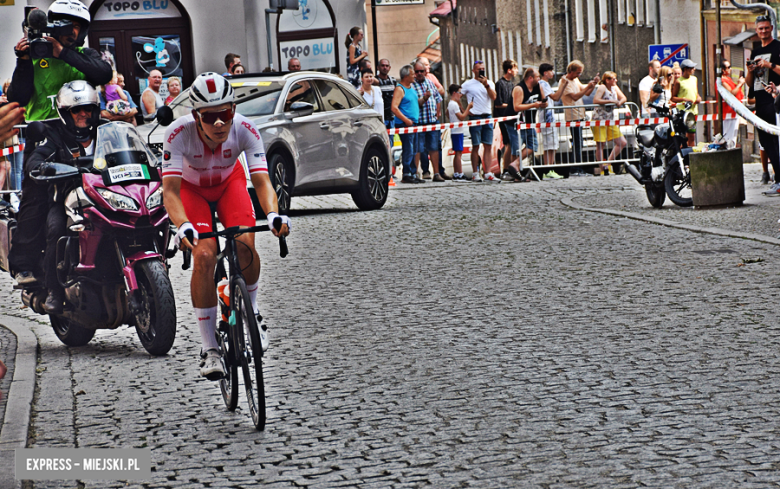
(667, 54)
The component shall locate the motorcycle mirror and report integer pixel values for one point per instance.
(83, 162)
(54, 171)
(164, 115)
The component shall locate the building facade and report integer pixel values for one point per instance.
(605, 35)
(187, 37)
(403, 31)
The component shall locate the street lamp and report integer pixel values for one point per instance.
(276, 8)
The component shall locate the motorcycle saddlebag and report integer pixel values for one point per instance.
(6, 228)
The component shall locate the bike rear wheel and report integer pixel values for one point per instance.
(249, 350)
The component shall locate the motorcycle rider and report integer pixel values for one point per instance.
(78, 107)
(35, 85)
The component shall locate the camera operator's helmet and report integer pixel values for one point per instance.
(210, 89)
(78, 93)
(71, 10)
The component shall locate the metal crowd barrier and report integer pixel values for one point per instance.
(563, 148)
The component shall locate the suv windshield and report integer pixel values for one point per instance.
(252, 99)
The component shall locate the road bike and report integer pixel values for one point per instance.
(238, 331)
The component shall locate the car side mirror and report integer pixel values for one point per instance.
(301, 109)
(164, 115)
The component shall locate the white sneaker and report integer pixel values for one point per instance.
(263, 329)
(476, 178)
(211, 365)
(489, 177)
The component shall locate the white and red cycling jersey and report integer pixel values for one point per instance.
(185, 155)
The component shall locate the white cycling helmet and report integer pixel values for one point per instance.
(210, 89)
(71, 10)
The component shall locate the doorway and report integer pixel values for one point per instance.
(138, 37)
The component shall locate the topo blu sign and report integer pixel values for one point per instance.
(313, 53)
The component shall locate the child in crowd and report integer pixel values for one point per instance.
(116, 99)
(456, 133)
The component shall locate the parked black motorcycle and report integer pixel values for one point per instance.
(663, 157)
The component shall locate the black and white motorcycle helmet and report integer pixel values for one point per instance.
(72, 10)
(78, 93)
(210, 89)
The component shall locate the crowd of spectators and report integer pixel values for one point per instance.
(418, 98)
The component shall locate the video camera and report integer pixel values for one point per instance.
(38, 26)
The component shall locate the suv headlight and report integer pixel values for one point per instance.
(690, 120)
(155, 200)
(118, 201)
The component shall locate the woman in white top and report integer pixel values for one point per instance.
(665, 79)
(371, 94)
(609, 96)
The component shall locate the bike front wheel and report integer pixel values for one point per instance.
(249, 351)
(229, 383)
(678, 185)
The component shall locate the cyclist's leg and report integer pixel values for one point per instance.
(202, 288)
(235, 209)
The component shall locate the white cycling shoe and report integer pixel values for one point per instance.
(263, 329)
(211, 365)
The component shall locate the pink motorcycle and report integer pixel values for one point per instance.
(111, 259)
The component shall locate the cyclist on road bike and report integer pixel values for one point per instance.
(200, 167)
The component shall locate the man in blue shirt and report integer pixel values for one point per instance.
(130, 116)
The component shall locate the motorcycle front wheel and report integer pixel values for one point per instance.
(155, 321)
(678, 186)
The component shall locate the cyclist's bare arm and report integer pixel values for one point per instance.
(267, 198)
(172, 202)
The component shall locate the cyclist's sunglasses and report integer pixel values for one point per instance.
(212, 117)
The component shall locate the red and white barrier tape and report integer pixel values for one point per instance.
(12, 149)
(439, 127)
(541, 125)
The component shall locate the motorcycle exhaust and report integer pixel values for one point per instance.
(634, 172)
(34, 300)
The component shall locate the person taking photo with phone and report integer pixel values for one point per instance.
(481, 92)
(762, 70)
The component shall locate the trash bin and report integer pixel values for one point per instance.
(717, 178)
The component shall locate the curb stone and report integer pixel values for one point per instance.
(663, 222)
(20, 398)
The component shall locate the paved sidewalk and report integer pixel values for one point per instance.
(758, 215)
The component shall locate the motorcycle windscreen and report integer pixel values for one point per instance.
(122, 156)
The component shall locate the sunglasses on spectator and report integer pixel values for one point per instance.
(478, 62)
(80, 109)
(419, 71)
(211, 117)
(763, 18)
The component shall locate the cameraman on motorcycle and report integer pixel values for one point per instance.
(35, 82)
(78, 107)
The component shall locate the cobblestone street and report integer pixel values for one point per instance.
(463, 336)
